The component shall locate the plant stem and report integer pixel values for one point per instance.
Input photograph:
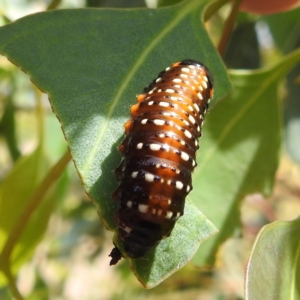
(12, 284)
(53, 4)
(228, 26)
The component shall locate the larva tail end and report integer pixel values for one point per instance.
(115, 255)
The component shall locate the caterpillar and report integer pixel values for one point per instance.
(159, 152)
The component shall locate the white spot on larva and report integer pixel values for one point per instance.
(134, 174)
(192, 67)
(204, 84)
(153, 211)
(162, 180)
(150, 103)
(127, 229)
(187, 134)
(177, 171)
(169, 214)
(173, 98)
(166, 147)
(159, 212)
(196, 143)
(193, 163)
(178, 215)
(139, 146)
(151, 92)
(163, 103)
(159, 90)
(169, 201)
(129, 204)
(143, 208)
(186, 70)
(168, 68)
(182, 142)
(197, 107)
(183, 76)
(162, 135)
(186, 122)
(169, 182)
(205, 78)
(201, 87)
(177, 80)
(190, 108)
(171, 123)
(168, 114)
(158, 79)
(170, 91)
(159, 122)
(179, 185)
(200, 96)
(155, 147)
(208, 100)
(198, 128)
(177, 127)
(188, 188)
(149, 177)
(191, 118)
(185, 156)
(144, 121)
(157, 165)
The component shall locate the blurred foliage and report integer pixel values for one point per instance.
(237, 56)
(239, 155)
(115, 3)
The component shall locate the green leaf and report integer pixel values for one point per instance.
(15, 194)
(285, 28)
(275, 259)
(239, 150)
(292, 115)
(92, 63)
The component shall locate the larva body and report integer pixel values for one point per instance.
(159, 156)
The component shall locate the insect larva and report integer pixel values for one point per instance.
(159, 156)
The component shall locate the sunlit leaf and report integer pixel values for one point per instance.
(273, 270)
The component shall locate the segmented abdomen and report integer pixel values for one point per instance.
(159, 156)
